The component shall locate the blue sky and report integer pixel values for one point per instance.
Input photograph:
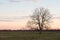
(25, 8)
(8, 8)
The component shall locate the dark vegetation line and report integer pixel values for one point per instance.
(28, 30)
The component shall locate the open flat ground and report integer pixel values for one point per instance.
(29, 35)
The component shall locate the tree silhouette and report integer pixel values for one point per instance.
(40, 18)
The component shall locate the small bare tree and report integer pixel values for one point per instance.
(40, 18)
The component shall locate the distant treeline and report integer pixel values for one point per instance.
(28, 30)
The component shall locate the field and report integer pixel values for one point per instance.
(29, 35)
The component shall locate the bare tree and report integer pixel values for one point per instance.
(40, 18)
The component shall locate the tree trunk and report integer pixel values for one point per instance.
(40, 28)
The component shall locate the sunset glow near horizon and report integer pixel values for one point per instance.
(14, 13)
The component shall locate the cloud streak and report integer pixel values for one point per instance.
(9, 19)
(23, 0)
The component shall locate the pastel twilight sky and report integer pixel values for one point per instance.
(14, 13)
